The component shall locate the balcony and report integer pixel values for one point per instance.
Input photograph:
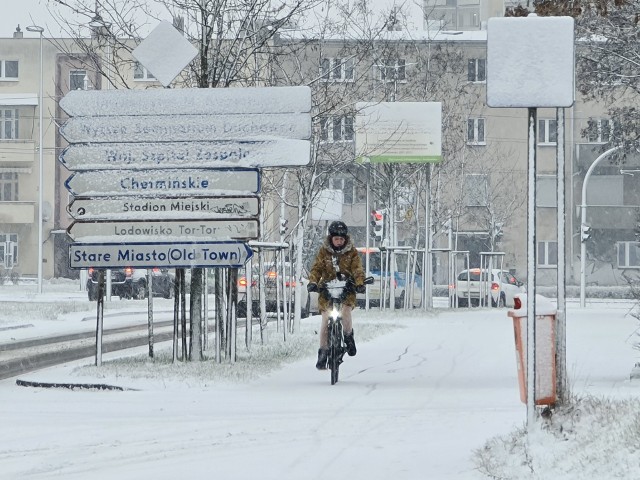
(18, 212)
(17, 153)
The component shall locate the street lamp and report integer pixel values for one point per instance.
(40, 30)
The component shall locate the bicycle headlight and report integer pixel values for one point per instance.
(334, 314)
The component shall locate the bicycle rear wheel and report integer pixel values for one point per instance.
(335, 351)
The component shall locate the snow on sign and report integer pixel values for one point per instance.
(132, 208)
(159, 254)
(165, 52)
(520, 71)
(179, 230)
(187, 101)
(158, 183)
(156, 128)
(218, 154)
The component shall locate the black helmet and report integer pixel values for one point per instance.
(338, 229)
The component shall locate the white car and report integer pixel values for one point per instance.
(471, 287)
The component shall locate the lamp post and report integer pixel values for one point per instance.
(583, 223)
(40, 30)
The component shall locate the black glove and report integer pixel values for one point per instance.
(361, 288)
(312, 287)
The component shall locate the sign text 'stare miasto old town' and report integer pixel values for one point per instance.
(171, 177)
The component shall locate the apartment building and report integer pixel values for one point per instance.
(478, 191)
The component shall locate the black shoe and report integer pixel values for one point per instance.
(322, 358)
(351, 343)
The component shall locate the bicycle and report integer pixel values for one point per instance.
(335, 292)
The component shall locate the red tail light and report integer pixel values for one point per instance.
(495, 286)
(290, 284)
(242, 282)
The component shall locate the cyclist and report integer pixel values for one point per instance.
(336, 255)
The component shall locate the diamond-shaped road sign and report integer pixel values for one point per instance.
(165, 53)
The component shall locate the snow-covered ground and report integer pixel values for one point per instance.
(429, 395)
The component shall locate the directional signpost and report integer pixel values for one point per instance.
(174, 182)
(175, 166)
(121, 231)
(128, 208)
(152, 254)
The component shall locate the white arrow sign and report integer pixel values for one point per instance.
(133, 208)
(180, 230)
(159, 254)
(162, 183)
(186, 127)
(143, 156)
(187, 101)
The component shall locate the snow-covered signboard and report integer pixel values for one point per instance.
(192, 154)
(137, 154)
(165, 52)
(328, 206)
(181, 230)
(530, 62)
(399, 132)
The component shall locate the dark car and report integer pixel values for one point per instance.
(132, 283)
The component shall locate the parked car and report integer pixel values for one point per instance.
(376, 263)
(271, 276)
(132, 283)
(501, 287)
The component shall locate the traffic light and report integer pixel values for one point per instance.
(497, 230)
(283, 226)
(377, 222)
(585, 232)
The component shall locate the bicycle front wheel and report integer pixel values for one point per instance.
(335, 351)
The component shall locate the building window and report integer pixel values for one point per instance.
(477, 70)
(546, 191)
(547, 131)
(337, 69)
(628, 254)
(78, 80)
(142, 74)
(8, 249)
(476, 131)
(8, 69)
(344, 184)
(476, 189)
(393, 70)
(547, 254)
(9, 119)
(8, 187)
(599, 130)
(336, 128)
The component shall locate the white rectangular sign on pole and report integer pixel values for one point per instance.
(159, 254)
(187, 101)
(157, 183)
(179, 230)
(399, 131)
(133, 208)
(178, 128)
(520, 71)
(163, 155)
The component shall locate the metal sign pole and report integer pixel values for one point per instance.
(531, 269)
